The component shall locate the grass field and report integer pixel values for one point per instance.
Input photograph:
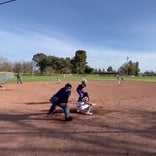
(80, 77)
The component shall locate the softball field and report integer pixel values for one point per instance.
(123, 121)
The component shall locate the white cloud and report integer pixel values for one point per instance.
(102, 58)
(22, 46)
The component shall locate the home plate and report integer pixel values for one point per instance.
(93, 104)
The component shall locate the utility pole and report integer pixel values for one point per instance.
(127, 65)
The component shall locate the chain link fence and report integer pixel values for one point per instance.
(6, 76)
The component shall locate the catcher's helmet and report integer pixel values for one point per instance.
(85, 94)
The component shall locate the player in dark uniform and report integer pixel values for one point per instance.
(80, 88)
(19, 81)
(61, 99)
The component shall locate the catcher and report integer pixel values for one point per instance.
(83, 105)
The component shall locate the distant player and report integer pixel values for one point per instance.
(120, 79)
(19, 81)
(83, 105)
(58, 81)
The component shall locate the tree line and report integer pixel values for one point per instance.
(43, 64)
(53, 64)
(22, 67)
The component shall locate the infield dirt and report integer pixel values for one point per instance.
(123, 121)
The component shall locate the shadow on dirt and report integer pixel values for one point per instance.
(132, 133)
(37, 103)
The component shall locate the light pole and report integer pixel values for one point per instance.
(127, 65)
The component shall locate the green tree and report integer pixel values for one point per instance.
(109, 69)
(88, 70)
(56, 63)
(40, 60)
(130, 68)
(79, 62)
(66, 66)
(53, 64)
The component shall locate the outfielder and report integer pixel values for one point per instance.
(120, 79)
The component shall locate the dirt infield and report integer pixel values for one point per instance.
(123, 121)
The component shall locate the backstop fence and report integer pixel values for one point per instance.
(6, 76)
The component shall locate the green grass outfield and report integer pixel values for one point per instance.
(79, 78)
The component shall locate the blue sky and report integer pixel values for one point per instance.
(108, 30)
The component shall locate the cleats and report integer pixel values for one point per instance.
(69, 119)
(78, 111)
(88, 113)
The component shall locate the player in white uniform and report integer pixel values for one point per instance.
(83, 104)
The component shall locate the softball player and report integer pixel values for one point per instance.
(120, 79)
(83, 104)
(80, 87)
